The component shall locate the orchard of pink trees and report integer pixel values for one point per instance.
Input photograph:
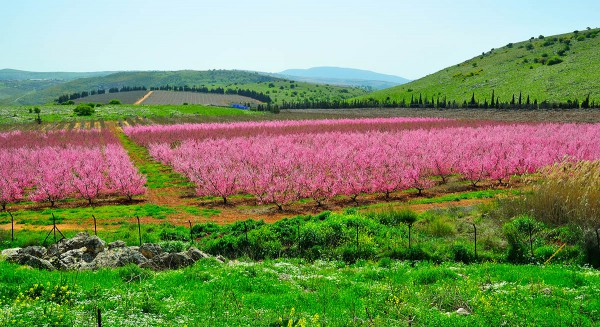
(53, 166)
(280, 162)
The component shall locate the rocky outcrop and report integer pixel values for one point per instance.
(150, 250)
(85, 252)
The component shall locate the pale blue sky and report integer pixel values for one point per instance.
(406, 38)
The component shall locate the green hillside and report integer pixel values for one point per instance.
(278, 89)
(553, 68)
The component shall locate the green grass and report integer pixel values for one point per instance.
(510, 70)
(295, 293)
(75, 215)
(157, 174)
(56, 113)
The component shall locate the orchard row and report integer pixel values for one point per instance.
(283, 168)
(49, 167)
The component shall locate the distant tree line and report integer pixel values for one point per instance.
(516, 102)
(219, 90)
(78, 95)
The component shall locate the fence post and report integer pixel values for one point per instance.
(139, 230)
(191, 235)
(95, 230)
(54, 227)
(99, 318)
(475, 241)
(12, 227)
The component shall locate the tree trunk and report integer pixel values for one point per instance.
(224, 200)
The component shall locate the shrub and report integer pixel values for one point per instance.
(553, 61)
(173, 246)
(591, 248)
(263, 244)
(461, 253)
(84, 110)
(414, 253)
(529, 46)
(169, 235)
(522, 236)
(114, 101)
(204, 229)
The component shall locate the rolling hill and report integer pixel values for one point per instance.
(553, 68)
(17, 84)
(343, 76)
(278, 89)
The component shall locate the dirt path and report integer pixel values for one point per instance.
(143, 98)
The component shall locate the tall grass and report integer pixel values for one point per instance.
(569, 194)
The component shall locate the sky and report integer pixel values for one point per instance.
(406, 38)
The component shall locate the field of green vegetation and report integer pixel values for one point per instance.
(300, 293)
(65, 113)
(554, 68)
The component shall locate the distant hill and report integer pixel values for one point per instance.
(554, 68)
(16, 85)
(277, 88)
(343, 76)
(20, 75)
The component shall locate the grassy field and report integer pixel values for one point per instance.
(58, 113)
(515, 68)
(297, 293)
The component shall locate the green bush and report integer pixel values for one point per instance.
(591, 248)
(461, 253)
(84, 110)
(553, 61)
(173, 246)
(522, 236)
(114, 101)
(205, 229)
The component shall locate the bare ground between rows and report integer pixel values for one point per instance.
(243, 208)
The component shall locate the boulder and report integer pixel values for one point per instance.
(116, 245)
(36, 251)
(462, 312)
(74, 259)
(150, 250)
(118, 257)
(171, 261)
(94, 245)
(196, 254)
(77, 242)
(8, 253)
(221, 258)
(29, 260)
